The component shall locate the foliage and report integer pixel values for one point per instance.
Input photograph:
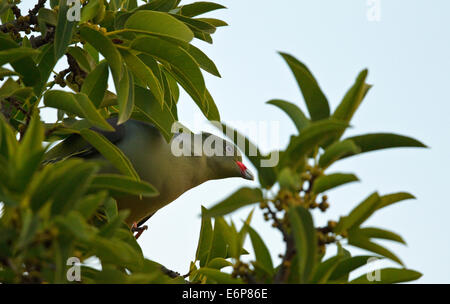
(57, 209)
(299, 184)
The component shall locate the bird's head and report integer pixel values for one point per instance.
(224, 158)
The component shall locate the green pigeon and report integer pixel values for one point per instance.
(173, 168)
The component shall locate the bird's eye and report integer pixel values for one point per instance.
(229, 150)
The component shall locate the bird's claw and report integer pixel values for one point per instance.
(139, 230)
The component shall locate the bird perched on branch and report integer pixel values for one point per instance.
(173, 168)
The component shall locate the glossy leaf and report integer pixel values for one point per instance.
(159, 23)
(183, 65)
(104, 46)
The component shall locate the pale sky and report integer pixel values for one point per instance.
(407, 54)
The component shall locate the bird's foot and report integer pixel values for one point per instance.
(139, 230)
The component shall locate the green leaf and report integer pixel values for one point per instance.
(76, 224)
(393, 198)
(105, 46)
(83, 58)
(64, 30)
(159, 23)
(352, 98)
(110, 152)
(359, 214)
(148, 109)
(378, 233)
(379, 141)
(390, 276)
(315, 100)
(205, 239)
(78, 104)
(203, 61)
(123, 184)
(181, 63)
(89, 204)
(242, 197)
(96, 83)
(336, 151)
(125, 96)
(262, 254)
(311, 136)
(219, 263)
(13, 54)
(304, 235)
(198, 8)
(346, 266)
(357, 239)
(325, 269)
(91, 10)
(144, 73)
(295, 113)
(218, 276)
(218, 248)
(196, 25)
(327, 182)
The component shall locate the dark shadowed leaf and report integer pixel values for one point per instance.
(63, 31)
(304, 235)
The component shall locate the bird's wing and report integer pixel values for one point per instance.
(76, 146)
